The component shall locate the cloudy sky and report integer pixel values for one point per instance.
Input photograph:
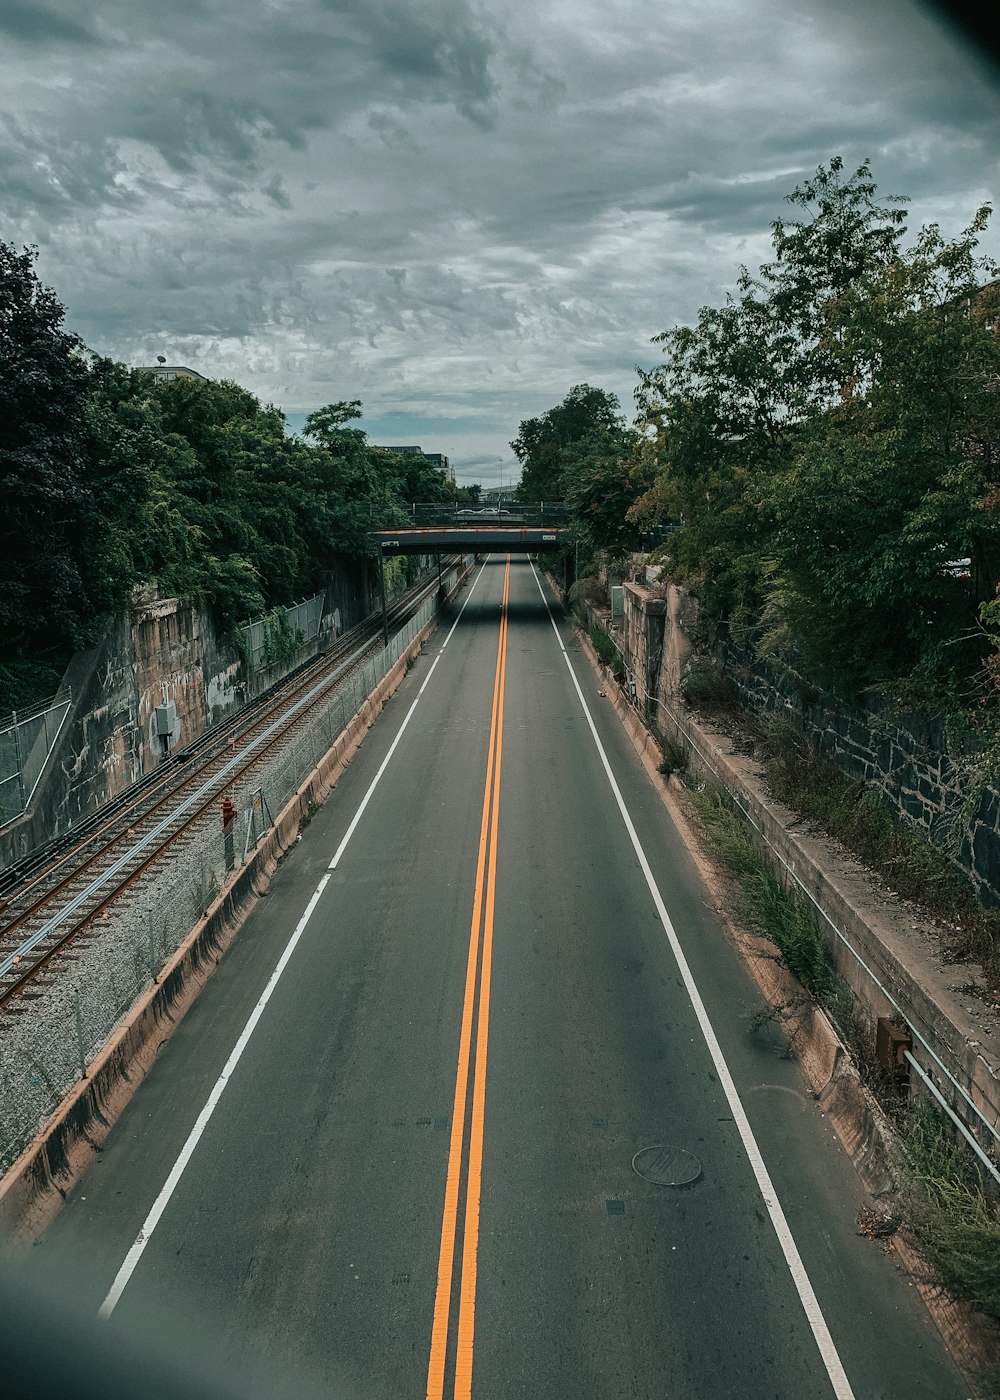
(451, 210)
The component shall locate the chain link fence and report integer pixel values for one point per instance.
(26, 740)
(272, 638)
(48, 1040)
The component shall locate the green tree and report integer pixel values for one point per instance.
(67, 481)
(896, 483)
(111, 479)
(548, 446)
(604, 481)
(829, 435)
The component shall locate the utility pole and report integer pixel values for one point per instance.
(381, 589)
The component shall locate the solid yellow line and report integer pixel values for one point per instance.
(470, 1250)
(449, 1224)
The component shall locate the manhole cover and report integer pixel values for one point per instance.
(667, 1166)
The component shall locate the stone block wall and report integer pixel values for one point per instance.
(642, 637)
(922, 776)
(657, 630)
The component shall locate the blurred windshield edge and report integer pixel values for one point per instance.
(974, 21)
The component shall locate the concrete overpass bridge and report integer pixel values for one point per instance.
(438, 529)
(448, 529)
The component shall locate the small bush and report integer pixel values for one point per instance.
(607, 652)
(704, 683)
(675, 759)
(584, 591)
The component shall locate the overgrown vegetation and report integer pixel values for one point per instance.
(281, 641)
(586, 590)
(704, 683)
(946, 1209)
(952, 1219)
(604, 646)
(915, 868)
(675, 757)
(110, 480)
(777, 915)
(581, 452)
(829, 436)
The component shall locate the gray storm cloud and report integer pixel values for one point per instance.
(447, 207)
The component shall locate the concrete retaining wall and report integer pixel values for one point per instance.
(926, 775)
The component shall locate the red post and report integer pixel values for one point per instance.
(228, 832)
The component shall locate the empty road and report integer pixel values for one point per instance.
(395, 1147)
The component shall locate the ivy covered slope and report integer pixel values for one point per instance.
(109, 480)
(830, 436)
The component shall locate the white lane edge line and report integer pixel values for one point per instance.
(461, 610)
(402, 729)
(177, 1170)
(810, 1303)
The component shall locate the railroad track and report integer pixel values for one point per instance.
(51, 902)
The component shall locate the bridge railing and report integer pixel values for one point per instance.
(534, 513)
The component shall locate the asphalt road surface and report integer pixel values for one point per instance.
(400, 1145)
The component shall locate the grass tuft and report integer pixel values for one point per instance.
(782, 917)
(607, 652)
(948, 1214)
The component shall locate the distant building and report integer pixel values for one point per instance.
(436, 459)
(162, 373)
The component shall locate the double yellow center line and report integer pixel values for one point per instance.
(475, 1009)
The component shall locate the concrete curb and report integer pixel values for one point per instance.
(35, 1186)
(862, 1127)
